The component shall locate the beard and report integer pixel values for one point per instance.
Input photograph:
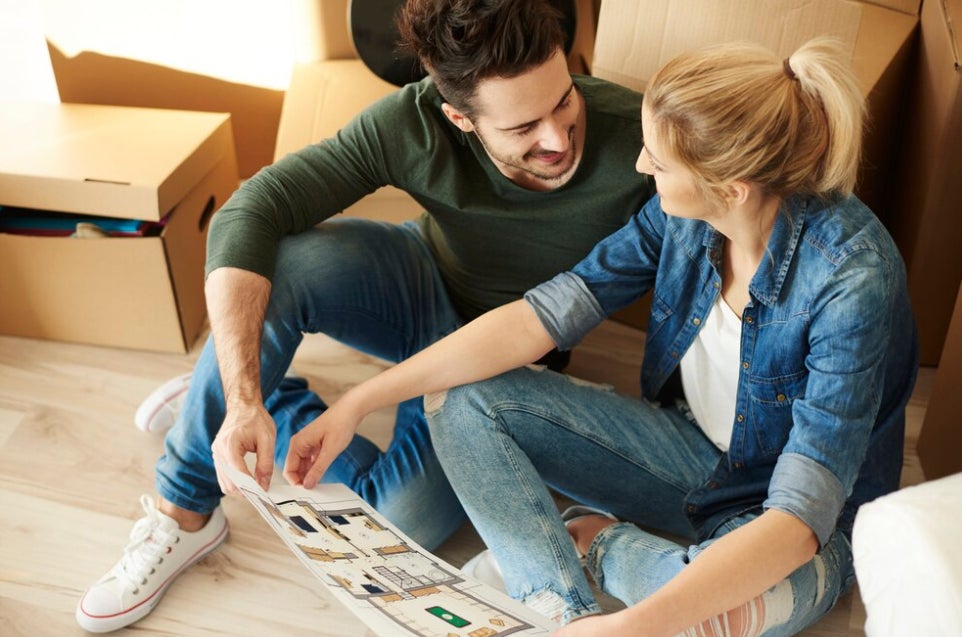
(558, 172)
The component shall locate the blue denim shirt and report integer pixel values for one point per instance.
(828, 351)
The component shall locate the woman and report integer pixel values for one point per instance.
(780, 354)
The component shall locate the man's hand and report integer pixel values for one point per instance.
(248, 430)
(314, 448)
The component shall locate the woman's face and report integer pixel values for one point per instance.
(675, 182)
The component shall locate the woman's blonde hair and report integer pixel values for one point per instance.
(737, 112)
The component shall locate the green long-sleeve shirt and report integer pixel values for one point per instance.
(492, 239)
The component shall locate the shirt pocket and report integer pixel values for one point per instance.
(661, 312)
(770, 417)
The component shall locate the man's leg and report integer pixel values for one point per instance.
(371, 285)
(504, 441)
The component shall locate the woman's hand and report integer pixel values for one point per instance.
(314, 448)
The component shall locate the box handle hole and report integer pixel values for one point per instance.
(207, 213)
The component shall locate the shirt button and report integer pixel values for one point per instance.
(740, 418)
(780, 398)
(745, 365)
(749, 320)
(690, 508)
(737, 465)
(716, 284)
(696, 321)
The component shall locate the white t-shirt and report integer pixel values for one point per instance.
(709, 373)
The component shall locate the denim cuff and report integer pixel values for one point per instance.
(566, 308)
(804, 488)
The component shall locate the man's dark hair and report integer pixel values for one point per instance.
(462, 42)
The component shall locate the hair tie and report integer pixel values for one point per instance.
(788, 69)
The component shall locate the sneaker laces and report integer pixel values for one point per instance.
(149, 542)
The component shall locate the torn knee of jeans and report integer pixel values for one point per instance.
(581, 382)
(553, 606)
(773, 608)
(819, 563)
(548, 603)
(434, 402)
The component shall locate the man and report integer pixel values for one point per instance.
(520, 168)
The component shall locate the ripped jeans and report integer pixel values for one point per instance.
(504, 441)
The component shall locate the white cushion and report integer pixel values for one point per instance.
(907, 548)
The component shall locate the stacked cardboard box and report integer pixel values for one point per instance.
(635, 39)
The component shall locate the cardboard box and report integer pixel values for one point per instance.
(928, 188)
(635, 38)
(940, 441)
(933, 192)
(217, 55)
(132, 163)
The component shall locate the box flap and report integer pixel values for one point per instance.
(322, 98)
(110, 161)
(636, 38)
(910, 7)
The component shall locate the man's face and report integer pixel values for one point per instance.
(532, 125)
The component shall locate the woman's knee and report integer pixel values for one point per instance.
(459, 411)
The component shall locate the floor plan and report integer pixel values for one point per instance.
(390, 583)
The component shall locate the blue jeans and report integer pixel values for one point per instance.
(504, 441)
(373, 286)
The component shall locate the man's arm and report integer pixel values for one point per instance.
(500, 340)
(236, 302)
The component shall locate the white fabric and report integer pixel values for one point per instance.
(709, 373)
(907, 548)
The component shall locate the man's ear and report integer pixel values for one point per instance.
(457, 118)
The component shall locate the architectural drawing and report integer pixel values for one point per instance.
(388, 581)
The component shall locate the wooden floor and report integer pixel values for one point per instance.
(72, 467)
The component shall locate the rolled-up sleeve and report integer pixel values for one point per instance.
(566, 309)
(802, 487)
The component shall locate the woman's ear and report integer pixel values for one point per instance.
(737, 192)
(457, 118)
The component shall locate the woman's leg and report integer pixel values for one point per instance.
(503, 442)
(631, 564)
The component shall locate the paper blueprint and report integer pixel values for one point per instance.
(393, 585)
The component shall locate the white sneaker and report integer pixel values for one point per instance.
(159, 411)
(484, 568)
(157, 553)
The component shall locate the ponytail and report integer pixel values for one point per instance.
(737, 112)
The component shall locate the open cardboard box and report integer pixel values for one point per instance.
(143, 292)
(635, 38)
(217, 55)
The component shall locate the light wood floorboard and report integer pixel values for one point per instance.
(72, 467)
